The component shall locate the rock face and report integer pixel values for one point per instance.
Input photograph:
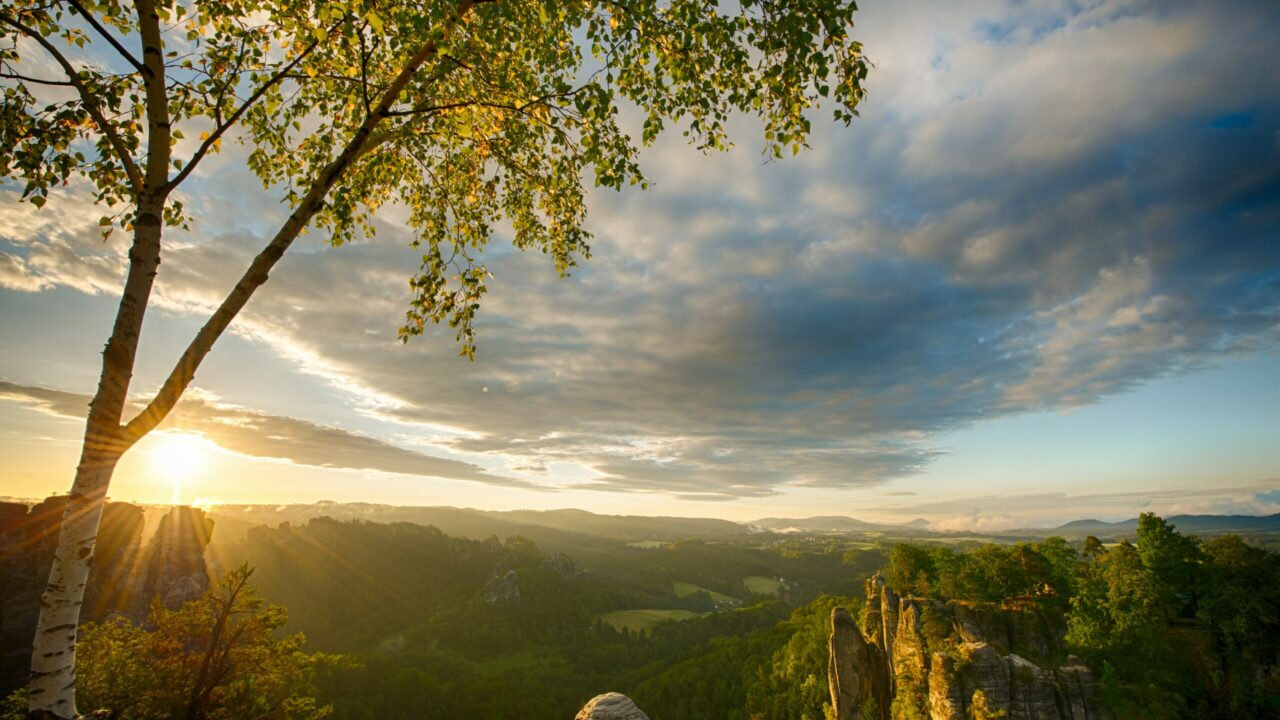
(121, 582)
(853, 667)
(565, 566)
(175, 569)
(502, 588)
(946, 658)
(610, 706)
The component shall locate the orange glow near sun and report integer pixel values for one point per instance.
(178, 457)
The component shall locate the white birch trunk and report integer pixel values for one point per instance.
(52, 684)
(53, 658)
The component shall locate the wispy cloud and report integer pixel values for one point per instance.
(261, 435)
(1049, 509)
(1039, 208)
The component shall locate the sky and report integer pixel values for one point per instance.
(1037, 280)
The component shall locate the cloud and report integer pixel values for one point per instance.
(1038, 209)
(1050, 509)
(974, 522)
(271, 436)
(15, 275)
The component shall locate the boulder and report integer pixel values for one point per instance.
(610, 706)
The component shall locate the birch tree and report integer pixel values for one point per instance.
(468, 113)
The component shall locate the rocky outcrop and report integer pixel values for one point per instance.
(1079, 691)
(946, 695)
(175, 569)
(610, 706)
(564, 566)
(115, 578)
(123, 578)
(856, 668)
(502, 588)
(1031, 693)
(950, 659)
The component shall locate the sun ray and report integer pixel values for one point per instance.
(177, 458)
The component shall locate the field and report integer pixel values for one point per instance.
(684, 589)
(644, 619)
(762, 585)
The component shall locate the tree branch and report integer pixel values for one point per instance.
(230, 122)
(88, 16)
(256, 274)
(159, 127)
(37, 81)
(90, 104)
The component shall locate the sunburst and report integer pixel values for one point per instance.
(178, 457)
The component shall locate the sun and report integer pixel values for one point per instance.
(177, 457)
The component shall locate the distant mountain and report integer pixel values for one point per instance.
(1091, 524)
(626, 527)
(568, 530)
(1193, 524)
(554, 529)
(821, 523)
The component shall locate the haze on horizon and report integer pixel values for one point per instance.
(1037, 280)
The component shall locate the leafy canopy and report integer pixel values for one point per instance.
(216, 657)
(510, 107)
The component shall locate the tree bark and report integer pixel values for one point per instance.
(53, 657)
(52, 687)
(53, 654)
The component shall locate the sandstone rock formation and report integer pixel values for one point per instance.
(946, 658)
(123, 578)
(565, 566)
(175, 568)
(610, 706)
(857, 671)
(502, 588)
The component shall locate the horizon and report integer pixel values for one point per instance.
(1038, 280)
(213, 507)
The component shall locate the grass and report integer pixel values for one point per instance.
(685, 589)
(762, 585)
(644, 619)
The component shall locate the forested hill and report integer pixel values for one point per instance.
(567, 529)
(1172, 628)
(352, 583)
(502, 628)
(553, 529)
(1207, 525)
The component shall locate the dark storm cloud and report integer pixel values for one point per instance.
(1044, 204)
